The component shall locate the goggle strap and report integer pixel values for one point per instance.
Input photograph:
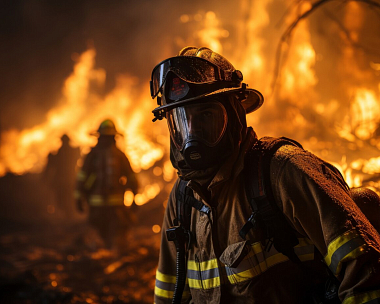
(220, 74)
(151, 89)
(241, 95)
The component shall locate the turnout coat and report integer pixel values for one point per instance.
(224, 268)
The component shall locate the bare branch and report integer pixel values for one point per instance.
(285, 38)
(352, 42)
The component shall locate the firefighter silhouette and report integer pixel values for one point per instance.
(59, 175)
(101, 183)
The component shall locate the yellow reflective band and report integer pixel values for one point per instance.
(204, 284)
(338, 242)
(163, 293)
(165, 285)
(345, 247)
(81, 176)
(96, 200)
(206, 265)
(362, 298)
(90, 181)
(307, 251)
(165, 277)
(273, 260)
(110, 200)
(203, 275)
(244, 275)
(258, 260)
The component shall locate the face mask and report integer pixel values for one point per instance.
(196, 130)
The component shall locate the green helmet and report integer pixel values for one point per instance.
(107, 127)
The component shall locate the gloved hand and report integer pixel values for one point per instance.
(80, 204)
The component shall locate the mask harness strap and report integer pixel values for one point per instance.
(279, 233)
(180, 234)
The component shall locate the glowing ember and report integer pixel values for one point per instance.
(156, 228)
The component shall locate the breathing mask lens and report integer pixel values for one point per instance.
(197, 123)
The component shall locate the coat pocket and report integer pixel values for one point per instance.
(234, 254)
(244, 261)
(239, 262)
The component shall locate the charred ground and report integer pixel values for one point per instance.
(47, 258)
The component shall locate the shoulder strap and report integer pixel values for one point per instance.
(183, 210)
(260, 197)
(185, 201)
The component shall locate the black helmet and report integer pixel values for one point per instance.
(65, 139)
(197, 92)
(198, 73)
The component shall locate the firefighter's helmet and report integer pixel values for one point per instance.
(198, 73)
(65, 139)
(107, 127)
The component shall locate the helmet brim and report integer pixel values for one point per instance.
(113, 133)
(251, 101)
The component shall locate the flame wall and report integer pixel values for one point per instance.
(320, 79)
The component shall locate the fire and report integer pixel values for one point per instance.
(339, 127)
(212, 32)
(79, 113)
(367, 109)
(250, 58)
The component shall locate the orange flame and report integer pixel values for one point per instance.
(296, 100)
(79, 113)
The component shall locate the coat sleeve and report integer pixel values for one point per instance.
(166, 271)
(132, 182)
(85, 178)
(319, 206)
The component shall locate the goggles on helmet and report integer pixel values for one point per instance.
(190, 69)
(204, 122)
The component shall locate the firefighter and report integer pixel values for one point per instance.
(204, 101)
(101, 183)
(59, 175)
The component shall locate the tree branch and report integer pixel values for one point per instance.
(288, 33)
